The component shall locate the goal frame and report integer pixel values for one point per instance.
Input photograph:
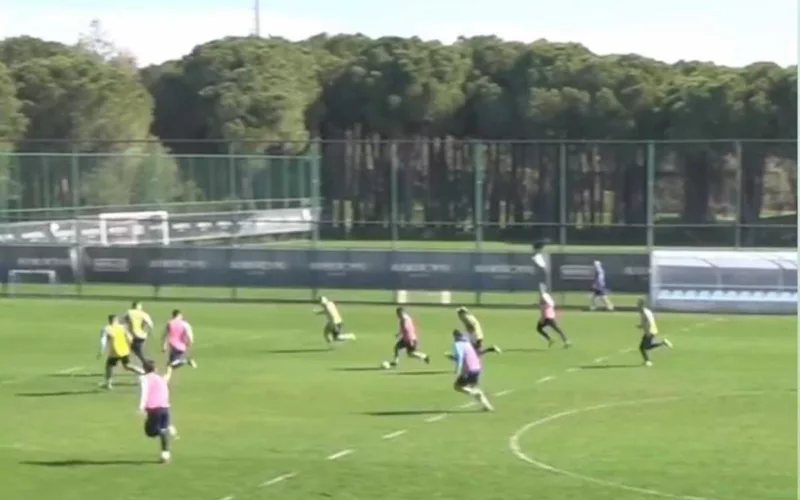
(52, 277)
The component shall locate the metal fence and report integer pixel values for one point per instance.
(722, 193)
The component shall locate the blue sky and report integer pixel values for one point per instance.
(733, 32)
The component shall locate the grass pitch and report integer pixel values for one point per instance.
(270, 405)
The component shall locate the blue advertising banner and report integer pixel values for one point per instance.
(279, 268)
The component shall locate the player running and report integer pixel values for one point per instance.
(154, 403)
(547, 318)
(473, 328)
(115, 342)
(468, 369)
(139, 325)
(407, 339)
(334, 325)
(647, 323)
(178, 338)
(599, 288)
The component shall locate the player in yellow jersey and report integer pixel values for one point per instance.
(647, 323)
(473, 328)
(114, 340)
(139, 325)
(333, 331)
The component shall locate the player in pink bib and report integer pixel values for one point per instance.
(154, 403)
(468, 369)
(547, 318)
(178, 338)
(407, 339)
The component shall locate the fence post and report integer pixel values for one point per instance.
(739, 195)
(316, 205)
(478, 166)
(394, 166)
(650, 195)
(232, 173)
(75, 181)
(562, 194)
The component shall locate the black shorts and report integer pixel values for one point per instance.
(543, 322)
(410, 347)
(157, 422)
(113, 360)
(477, 344)
(175, 355)
(468, 379)
(136, 344)
(647, 341)
(336, 330)
(599, 292)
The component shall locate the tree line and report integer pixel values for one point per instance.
(410, 112)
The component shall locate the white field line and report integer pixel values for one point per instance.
(339, 454)
(394, 434)
(442, 416)
(276, 480)
(516, 448)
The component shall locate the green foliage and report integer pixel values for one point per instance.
(255, 96)
(144, 174)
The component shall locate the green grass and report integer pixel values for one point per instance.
(268, 399)
(298, 295)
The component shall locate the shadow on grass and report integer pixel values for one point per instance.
(296, 351)
(76, 462)
(401, 413)
(608, 367)
(55, 393)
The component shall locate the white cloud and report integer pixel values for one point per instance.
(156, 34)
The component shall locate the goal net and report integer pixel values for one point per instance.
(131, 228)
(20, 280)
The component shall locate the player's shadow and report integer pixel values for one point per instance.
(295, 351)
(402, 413)
(77, 462)
(55, 394)
(608, 367)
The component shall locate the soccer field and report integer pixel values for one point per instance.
(271, 413)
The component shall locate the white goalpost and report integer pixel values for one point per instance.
(133, 228)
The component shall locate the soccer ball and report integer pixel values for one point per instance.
(386, 365)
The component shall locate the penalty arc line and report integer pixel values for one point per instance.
(516, 449)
